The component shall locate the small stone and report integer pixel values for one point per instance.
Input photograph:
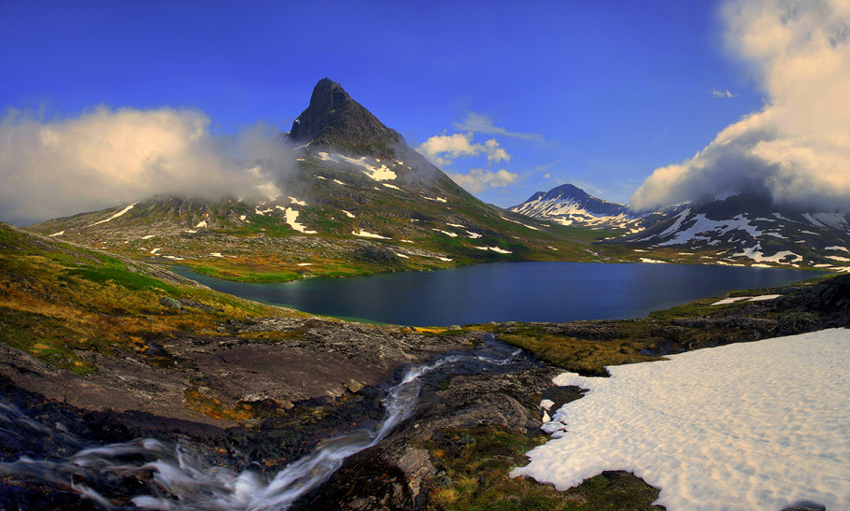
(171, 303)
(353, 386)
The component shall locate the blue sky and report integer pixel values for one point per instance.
(610, 90)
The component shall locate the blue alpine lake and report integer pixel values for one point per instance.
(531, 291)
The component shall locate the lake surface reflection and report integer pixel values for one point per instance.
(509, 291)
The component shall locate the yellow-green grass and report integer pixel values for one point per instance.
(57, 301)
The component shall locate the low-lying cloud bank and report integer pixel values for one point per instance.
(797, 148)
(107, 157)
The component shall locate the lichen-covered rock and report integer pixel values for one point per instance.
(170, 303)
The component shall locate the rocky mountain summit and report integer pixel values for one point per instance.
(568, 204)
(334, 120)
(357, 200)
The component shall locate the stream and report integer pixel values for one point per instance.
(184, 481)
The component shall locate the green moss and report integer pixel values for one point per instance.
(586, 357)
(117, 273)
(476, 464)
(47, 339)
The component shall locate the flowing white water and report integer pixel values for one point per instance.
(200, 486)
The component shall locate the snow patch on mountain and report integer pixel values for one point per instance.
(367, 234)
(291, 217)
(498, 250)
(116, 215)
(755, 253)
(706, 229)
(447, 233)
(382, 173)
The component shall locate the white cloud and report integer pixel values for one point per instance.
(108, 157)
(797, 148)
(479, 180)
(443, 149)
(722, 93)
(494, 153)
(479, 123)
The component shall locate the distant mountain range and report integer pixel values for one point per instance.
(360, 200)
(738, 229)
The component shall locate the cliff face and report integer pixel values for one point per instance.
(334, 119)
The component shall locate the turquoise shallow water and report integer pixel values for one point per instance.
(509, 291)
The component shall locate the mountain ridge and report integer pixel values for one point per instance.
(334, 119)
(733, 229)
(359, 200)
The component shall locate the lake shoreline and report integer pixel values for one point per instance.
(414, 449)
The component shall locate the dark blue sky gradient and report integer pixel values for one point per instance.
(615, 88)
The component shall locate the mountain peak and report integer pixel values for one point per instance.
(334, 119)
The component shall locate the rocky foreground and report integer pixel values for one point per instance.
(260, 392)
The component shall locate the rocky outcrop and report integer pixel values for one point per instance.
(398, 473)
(334, 119)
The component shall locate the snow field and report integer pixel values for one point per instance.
(751, 426)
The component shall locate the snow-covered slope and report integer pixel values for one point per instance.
(750, 229)
(751, 431)
(570, 205)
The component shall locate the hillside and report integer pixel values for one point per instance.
(99, 351)
(750, 229)
(357, 200)
(742, 230)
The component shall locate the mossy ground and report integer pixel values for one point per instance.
(475, 464)
(58, 302)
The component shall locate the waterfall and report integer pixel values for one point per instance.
(199, 486)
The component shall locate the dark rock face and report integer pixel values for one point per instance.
(831, 299)
(398, 474)
(334, 119)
